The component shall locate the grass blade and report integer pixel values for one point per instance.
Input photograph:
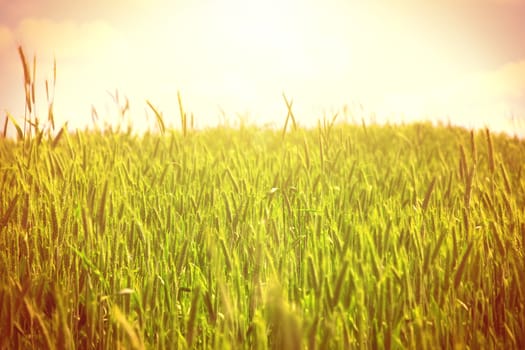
(159, 118)
(461, 267)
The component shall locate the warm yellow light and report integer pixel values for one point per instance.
(398, 59)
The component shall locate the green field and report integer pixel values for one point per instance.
(341, 236)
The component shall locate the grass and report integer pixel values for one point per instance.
(341, 236)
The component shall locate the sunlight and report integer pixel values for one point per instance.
(240, 56)
(244, 54)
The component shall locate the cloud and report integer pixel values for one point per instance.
(493, 98)
(509, 80)
(65, 39)
(504, 85)
(86, 54)
(6, 38)
(12, 12)
(485, 98)
(8, 64)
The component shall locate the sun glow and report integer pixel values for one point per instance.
(231, 56)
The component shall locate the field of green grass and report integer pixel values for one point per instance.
(340, 236)
(337, 237)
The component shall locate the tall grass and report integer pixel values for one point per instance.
(341, 236)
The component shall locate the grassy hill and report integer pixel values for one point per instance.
(342, 236)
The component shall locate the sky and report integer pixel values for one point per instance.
(458, 61)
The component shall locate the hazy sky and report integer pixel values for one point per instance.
(462, 60)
